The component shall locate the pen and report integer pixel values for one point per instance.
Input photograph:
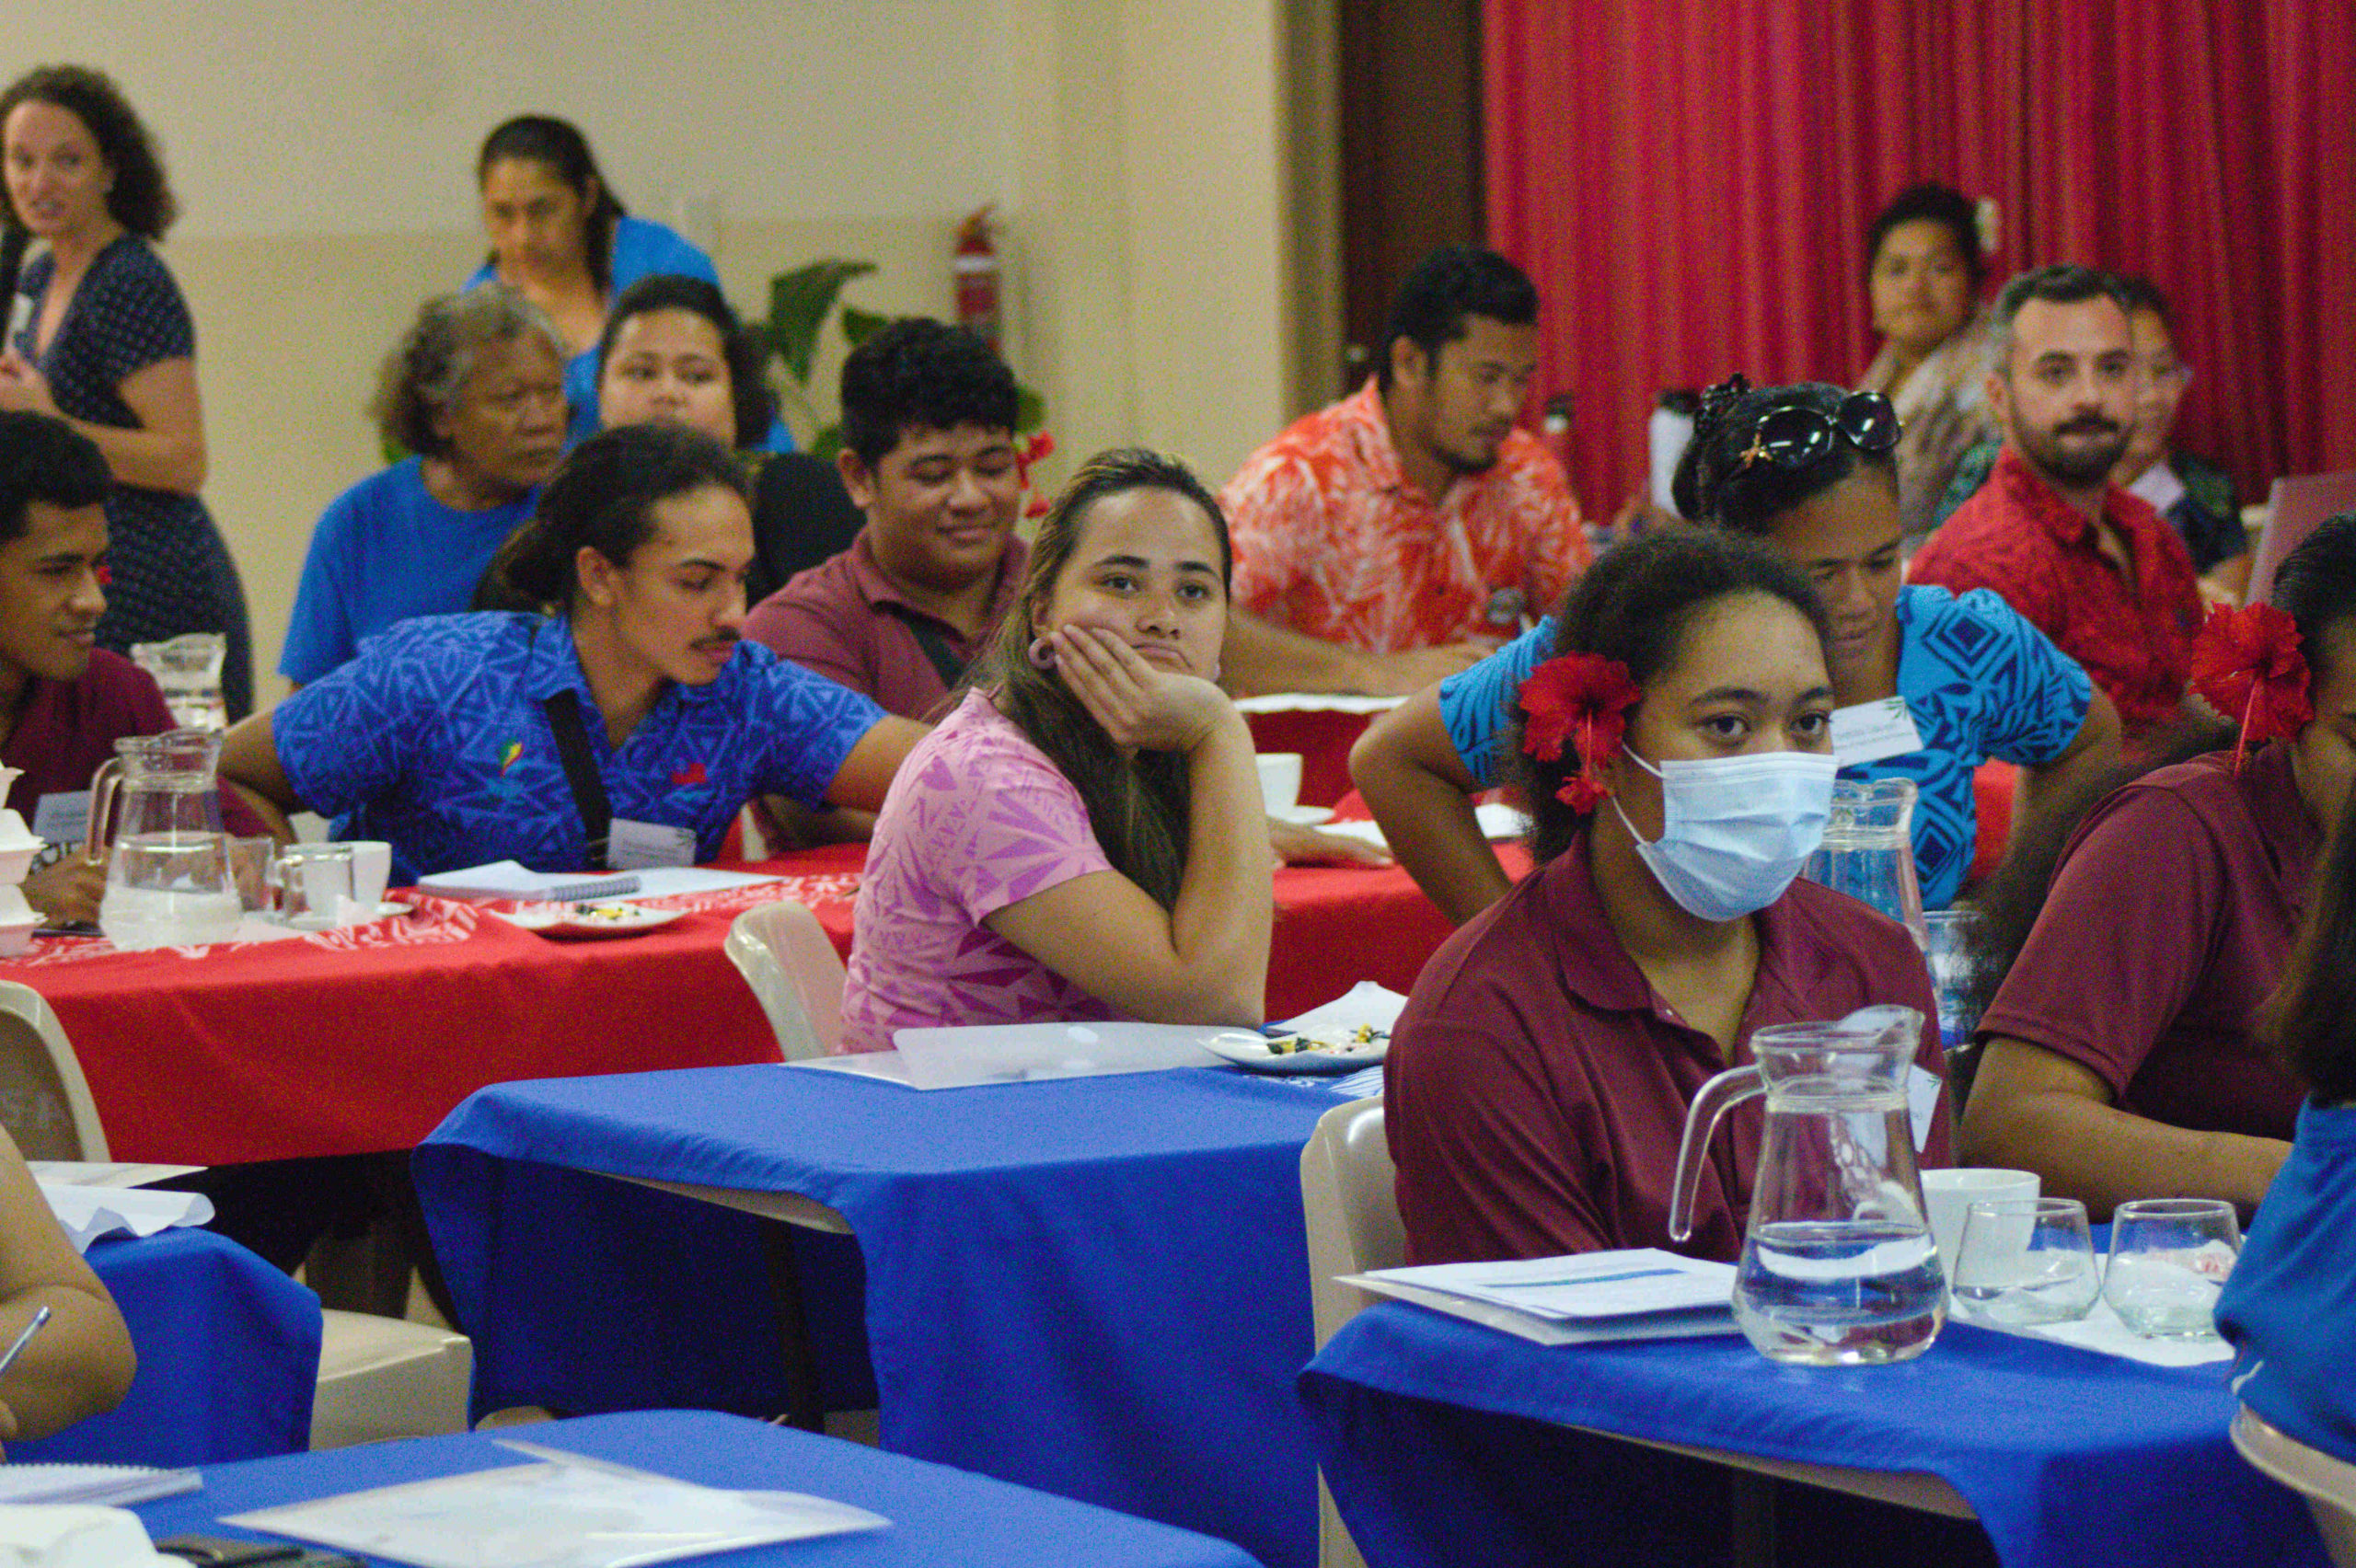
(8, 1357)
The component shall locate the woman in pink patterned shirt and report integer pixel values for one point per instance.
(1083, 839)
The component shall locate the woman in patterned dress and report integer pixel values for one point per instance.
(110, 348)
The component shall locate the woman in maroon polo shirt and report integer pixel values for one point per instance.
(1537, 1080)
(2122, 1059)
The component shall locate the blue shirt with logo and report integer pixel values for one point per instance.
(1979, 680)
(386, 550)
(434, 739)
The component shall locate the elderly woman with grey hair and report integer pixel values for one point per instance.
(475, 392)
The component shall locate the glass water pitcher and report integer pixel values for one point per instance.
(1868, 849)
(157, 802)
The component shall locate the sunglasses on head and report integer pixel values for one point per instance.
(1796, 436)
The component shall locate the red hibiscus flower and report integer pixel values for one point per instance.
(2246, 664)
(1581, 697)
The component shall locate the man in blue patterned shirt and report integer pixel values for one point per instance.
(633, 723)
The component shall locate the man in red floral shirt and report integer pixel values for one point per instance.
(2094, 567)
(1406, 531)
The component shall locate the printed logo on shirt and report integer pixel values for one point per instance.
(509, 756)
(1506, 607)
(687, 775)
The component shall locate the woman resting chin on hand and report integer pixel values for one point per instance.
(1082, 837)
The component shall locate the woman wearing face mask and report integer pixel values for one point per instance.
(1923, 273)
(632, 720)
(1676, 751)
(1081, 837)
(673, 349)
(1807, 470)
(475, 393)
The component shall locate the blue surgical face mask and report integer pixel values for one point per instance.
(1735, 830)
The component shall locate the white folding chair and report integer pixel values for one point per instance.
(791, 964)
(44, 1100)
(1352, 1214)
(2328, 1483)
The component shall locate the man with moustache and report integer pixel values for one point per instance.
(1408, 530)
(2093, 567)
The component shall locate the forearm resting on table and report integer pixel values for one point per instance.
(1407, 770)
(2031, 1109)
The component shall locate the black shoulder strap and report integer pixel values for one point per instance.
(581, 772)
(927, 631)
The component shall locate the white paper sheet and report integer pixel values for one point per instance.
(573, 1512)
(2101, 1331)
(1018, 1053)
(509, 879)
(1316, 702)
(112, 1173)
(1498, 821)
(1583, 1287)
(889, 1065)
(89, 1213)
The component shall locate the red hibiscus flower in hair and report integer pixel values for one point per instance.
(2247, 665)
(1584, 697)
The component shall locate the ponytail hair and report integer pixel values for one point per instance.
(544, 138)
(603, 498)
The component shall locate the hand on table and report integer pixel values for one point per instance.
(23, 388)
(66, 893)
(1298, 846)
(1139, 704)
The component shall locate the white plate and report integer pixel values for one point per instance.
(1250, 1052)
(1304, 816)
(569, 923)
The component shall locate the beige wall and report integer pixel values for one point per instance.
(1137, 149)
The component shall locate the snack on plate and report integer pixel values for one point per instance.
(1338, 1041)
(615, 912)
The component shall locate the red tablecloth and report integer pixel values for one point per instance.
(362, 1040)
(1322, 736)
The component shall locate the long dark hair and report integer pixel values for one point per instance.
(604, 497)
(2316, 588)
(1713, 483)
(544, 138)
(1633, 605)
(141, 199)
(1139, 807)
(2312, 1015)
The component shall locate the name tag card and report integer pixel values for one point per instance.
(63, 818)
(1870, 731)
(641, 846)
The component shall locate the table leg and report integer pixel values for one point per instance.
(803, 1407)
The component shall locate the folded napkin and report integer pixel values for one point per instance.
(89, 1213)
(70, 1535)
(2101, 1331)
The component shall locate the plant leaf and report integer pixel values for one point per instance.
(826, 442)
(1030, 409)
(860, 325)
(800, 302)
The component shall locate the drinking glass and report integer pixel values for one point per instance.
(169, 890)
(314, 884)
(2026, 1261)
(1948, 953)
(2169, 1258)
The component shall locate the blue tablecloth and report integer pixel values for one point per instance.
(1424, 1427)
(1095, 1286)
(228, 1357)
(937, 1516)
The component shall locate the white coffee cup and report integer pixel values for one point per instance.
(372, 867)
(1949, 1195)
(1280, 781)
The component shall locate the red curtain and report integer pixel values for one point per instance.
(1689, 182)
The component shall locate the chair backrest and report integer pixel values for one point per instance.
(1351, 1213)
(44, 1101)
(791, 964)
(2299, 502)
(2328, 1483)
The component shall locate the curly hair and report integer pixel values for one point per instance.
(1634, 605)
(420, 379)
(141, 199)
(747, 357)
(918, 374)
(1935, 203)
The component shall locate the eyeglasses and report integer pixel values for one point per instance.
(1796, 436)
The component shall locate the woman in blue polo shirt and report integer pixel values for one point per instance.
(450, 736)
(1810, 470)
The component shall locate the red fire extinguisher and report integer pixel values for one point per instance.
(974, 267)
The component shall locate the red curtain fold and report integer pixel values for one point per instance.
(1689, 182)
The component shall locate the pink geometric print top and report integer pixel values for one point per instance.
(978, 819)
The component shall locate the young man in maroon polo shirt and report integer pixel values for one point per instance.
(2093, 567)
(927, 454)
(63, 701)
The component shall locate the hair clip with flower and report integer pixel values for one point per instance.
(2246, 664)
(1584, 695)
